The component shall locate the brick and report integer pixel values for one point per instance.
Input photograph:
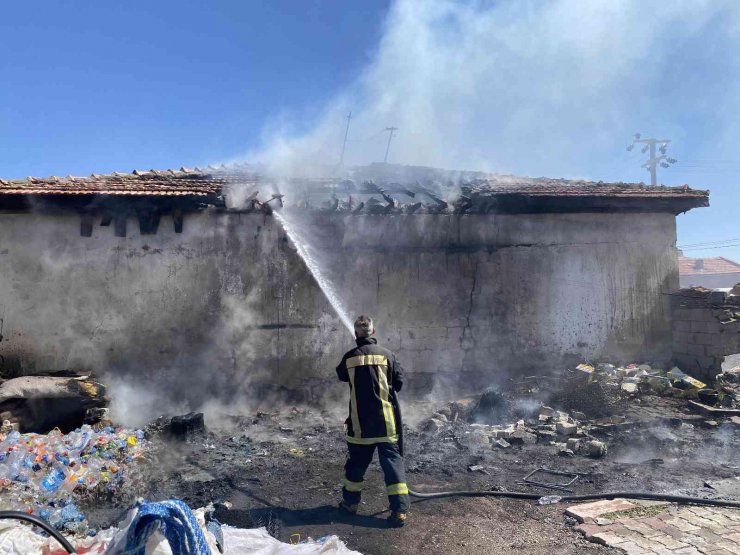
(699, 327)
(705, 339)
(648, 531)
(734, 536)
(608, 538)
(697, 541)
(631, 548)
(681, 523)
(645, 543)
(714, 350)
(707, 363)
(698, 315)
(669, 542)
(679, 326)
(695, 350)
(597, 508)
(588, 530)
(709, 535)
(681, 336)
(720, 517)
(687, 551)
(566, 428)
(667, 527)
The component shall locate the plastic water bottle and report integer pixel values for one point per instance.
(71, 513)
(13, 437)
(53, 480)
(549, 500)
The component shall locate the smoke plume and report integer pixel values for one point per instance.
(534, 88)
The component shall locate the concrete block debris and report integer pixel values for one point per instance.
(587, 447)
(632, 380)
(566, 428)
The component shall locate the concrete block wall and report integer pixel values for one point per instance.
(706, 328)
(227, 308)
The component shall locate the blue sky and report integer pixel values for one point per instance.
(530, 87)
(112, 86)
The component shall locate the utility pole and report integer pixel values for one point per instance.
(391, 130)
(652, 163)
(344, 144)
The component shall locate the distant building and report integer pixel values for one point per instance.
(714, 273)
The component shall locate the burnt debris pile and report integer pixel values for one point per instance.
(64, 400)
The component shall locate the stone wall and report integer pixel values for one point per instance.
(706, 328)
(228, 308)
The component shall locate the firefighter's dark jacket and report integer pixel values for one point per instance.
(375, 377)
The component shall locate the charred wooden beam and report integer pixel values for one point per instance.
(178, 220)
(148, 222)
(119, 224)
(86, 225)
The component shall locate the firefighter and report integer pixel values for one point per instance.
(375, 377)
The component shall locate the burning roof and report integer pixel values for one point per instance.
(458, 191)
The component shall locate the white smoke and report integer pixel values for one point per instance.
(529, 87)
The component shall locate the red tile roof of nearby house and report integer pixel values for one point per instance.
(706, 266)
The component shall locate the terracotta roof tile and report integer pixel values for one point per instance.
(704, 266)
(542, 186)
(212, 180)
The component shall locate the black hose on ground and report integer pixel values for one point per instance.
(681, 499)
(36, 521)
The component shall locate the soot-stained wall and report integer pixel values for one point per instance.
(227, 307)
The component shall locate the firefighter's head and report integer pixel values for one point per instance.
(364, 327)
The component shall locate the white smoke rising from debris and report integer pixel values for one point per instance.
(529, 87)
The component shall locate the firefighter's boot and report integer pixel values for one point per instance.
(350, 508)
(397, 519)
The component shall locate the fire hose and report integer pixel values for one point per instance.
(681, 499)
(41, 523)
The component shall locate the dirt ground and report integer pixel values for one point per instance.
(283, 470)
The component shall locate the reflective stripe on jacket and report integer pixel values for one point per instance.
(374, 376)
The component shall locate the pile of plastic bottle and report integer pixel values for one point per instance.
(43, 474)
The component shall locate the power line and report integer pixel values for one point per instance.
(344, 144)
(391, 130)
(652, 163)
(718, 242)
(710, 248)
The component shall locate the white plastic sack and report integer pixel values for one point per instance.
(257, 541)
(21, 539)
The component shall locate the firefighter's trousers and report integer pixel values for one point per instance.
(391, 461)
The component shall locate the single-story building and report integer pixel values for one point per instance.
(186, 281)
(715, 272)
